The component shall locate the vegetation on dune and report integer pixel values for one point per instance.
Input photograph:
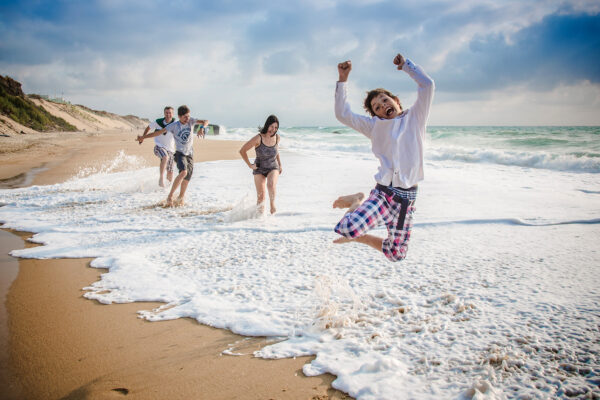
(15, 105)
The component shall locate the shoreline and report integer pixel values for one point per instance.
(62, 345)
(9, 269)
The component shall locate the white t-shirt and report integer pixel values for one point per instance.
(165, 140)
(398, 142)
(183, 135)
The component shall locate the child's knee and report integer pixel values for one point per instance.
(395, 256)
(346, 229)
(394, 253)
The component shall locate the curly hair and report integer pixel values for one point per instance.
(374, 93)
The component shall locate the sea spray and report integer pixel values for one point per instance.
(338, 304)
(246, 208)
(120, 162)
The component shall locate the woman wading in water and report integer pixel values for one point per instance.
(267, 165)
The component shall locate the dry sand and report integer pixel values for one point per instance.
(59, 345)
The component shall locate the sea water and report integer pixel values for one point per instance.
(498, 298)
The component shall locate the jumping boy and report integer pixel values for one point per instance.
(183, 133)
(164, 145)
(397, 137)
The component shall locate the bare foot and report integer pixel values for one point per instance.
(350, 201)
(161, 184)
(168, 202)
(273, 209)
(342, 239)
(179, 202)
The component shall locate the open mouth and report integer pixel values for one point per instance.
(389, 112)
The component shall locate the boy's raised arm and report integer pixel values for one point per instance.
(344, 69)
(399, 60)
(343, 112)
(426, 86)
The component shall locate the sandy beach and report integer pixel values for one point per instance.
(59, 345)
(470, 269)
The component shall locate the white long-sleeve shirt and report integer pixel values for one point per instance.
(398, 142)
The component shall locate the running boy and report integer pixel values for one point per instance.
(164, 145)
(182, 131)
(397, 137)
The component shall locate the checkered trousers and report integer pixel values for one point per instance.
(381, 208)
(161, 152)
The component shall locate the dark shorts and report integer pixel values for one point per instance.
(263, 171)
(185, 163)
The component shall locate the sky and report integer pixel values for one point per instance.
(494, 62)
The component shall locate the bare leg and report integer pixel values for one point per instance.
(350, 201)
(174, 187)
(184, 185)
(163, 166)
(272, 179)
(370, 240)
(260, 183)
(170, 176)
(353, 201)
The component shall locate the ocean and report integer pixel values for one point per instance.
(499, 296)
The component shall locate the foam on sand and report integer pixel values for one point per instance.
(482, 306)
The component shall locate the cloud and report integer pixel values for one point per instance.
(561, 49)
(576, 104)
(284, 63)
(236, 60)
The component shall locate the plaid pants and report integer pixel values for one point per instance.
(161, 152)
(382, 208)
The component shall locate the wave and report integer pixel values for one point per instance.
(574, 149)
(542, 160)
(509, 221)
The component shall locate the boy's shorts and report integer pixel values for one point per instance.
(185, 163)
(161, 152)
(383, 208)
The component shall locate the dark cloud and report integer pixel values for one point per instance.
(35, 32)
(561, 49)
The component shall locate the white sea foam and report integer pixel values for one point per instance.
(498, 297)
(580, 153)
(539, 159)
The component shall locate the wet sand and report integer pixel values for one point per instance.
(63, 346)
